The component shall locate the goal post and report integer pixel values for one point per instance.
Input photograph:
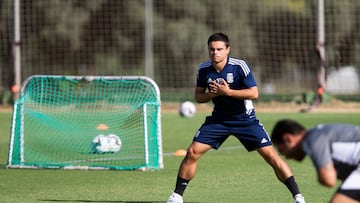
(87, 122)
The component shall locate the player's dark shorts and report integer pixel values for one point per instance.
(245, 127)
(351, 187)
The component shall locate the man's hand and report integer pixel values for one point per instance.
(299, 198)
(219, 87)
(213, 87)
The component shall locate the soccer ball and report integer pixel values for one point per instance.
(105, 144)
(187, 109)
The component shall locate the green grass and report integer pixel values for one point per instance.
(230, 174)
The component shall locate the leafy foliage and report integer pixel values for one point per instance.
(106, 37)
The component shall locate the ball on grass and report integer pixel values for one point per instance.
(187, 109)
(106, 144)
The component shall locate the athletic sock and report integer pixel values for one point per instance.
(292, 186)
(181, 184)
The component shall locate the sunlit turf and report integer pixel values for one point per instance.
(230, 174)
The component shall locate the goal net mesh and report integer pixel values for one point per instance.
(57, 119)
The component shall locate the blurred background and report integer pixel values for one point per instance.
(167, 39)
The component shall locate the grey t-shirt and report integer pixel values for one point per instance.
(334, 143)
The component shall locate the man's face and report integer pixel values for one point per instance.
(290, 147)
(284, 149)
(218, 52)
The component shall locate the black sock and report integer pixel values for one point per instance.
(181, 185)
(292, 186)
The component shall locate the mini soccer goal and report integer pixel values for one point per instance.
(92, 122)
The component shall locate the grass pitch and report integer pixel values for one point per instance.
(230, 174)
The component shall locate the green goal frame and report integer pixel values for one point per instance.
(55, 120)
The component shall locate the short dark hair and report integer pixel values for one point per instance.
(285, 126)
(219, 37)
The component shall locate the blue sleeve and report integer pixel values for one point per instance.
(248, 79)
(201, 79)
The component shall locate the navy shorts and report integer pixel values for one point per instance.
(246, 128)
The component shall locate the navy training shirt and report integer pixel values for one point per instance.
(238, 75)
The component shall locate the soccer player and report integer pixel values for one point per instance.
(230, 84)
(333, 148)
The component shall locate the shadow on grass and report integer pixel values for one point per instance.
(105, 201)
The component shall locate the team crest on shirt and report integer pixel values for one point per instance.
(230, 77)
